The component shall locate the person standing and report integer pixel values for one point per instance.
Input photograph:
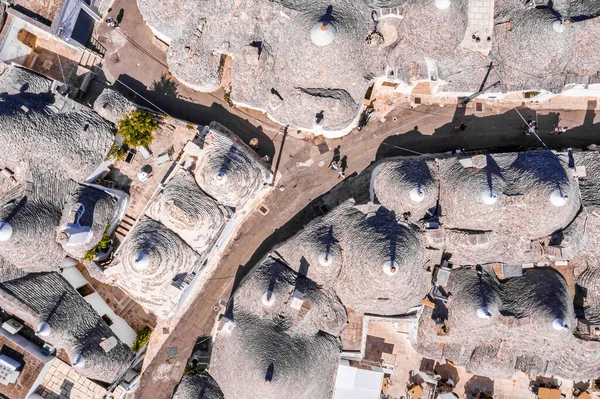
(462, 127)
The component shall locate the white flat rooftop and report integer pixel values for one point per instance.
(353, 383)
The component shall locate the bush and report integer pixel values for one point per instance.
(117, 152)
(193, 369)
(102, 246)
(143, 336)
(137, 128)
(227, 98)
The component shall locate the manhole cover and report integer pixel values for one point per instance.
(323, 148)
(114, 58)
(172, 351)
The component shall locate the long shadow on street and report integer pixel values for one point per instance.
(497, 133)
(162, 97)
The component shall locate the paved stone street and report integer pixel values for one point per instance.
(306, 178)
(303, 160)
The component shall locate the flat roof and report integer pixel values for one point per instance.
(353, 383)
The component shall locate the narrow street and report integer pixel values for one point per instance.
(306, 177)
(138, 69)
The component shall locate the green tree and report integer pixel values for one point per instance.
(137, 128)
(143, 336)
(193, 369)
(103, 245)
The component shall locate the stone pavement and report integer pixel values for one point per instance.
(62, 382)
(481, 24)
(306, 178)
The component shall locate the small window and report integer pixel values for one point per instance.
(85, 290)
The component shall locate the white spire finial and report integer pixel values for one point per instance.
(142, 260)
(5, 231)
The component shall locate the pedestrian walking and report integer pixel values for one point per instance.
(560, 129)
(462, 127)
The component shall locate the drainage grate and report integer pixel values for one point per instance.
(172, 351)
(417, 100)
(479, 107)
(323, 148)
(114, 58)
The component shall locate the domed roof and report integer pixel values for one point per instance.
(227, 170)
(529, 320)
(382, 270)
(189, 212)
(406, 186)
(148, 262)
(371, 258)
(273, 350)
(112, 105)
(271, 289)
(550, 49)
(97, 211)
(198, 387)
(65, 320)
(516, 193)
(31, 245)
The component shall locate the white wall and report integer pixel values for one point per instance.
(120, 327)
(74, 277)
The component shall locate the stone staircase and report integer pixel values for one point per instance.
(124, 227)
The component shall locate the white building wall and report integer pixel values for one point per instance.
(120, 327)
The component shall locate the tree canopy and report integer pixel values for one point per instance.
(137, 128)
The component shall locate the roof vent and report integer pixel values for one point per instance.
(483, 313)
(417, 194)
(390, 268)
(79, 360)
(43, 329)
(268, 299)
(5, 231)
(559, 325)
(442, 4)
(142, 260)
(489, 197)
(12, 326)
(558, 198)
(325, 259)
(322, 34)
